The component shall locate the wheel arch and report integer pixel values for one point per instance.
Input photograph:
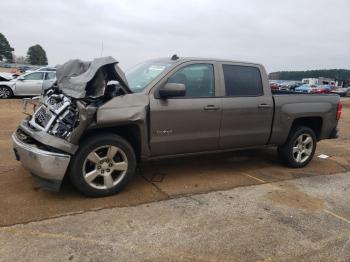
(313, 122)
(9, 88)
(130, 132)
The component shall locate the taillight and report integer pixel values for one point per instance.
(339, 109)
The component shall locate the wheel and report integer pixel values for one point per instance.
(299, 148)
(103, 165)
(5, 92)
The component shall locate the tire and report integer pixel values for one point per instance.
(103, 165)
(5, 92)
(299, 148)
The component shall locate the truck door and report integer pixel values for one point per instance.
(30, 84)
(247, 107)
(191, 123)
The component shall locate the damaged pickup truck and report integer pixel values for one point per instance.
(96, 124)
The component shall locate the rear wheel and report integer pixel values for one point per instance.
(103, 165)
(5, 92)
(299, 148)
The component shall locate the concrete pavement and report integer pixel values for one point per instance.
(305, 219)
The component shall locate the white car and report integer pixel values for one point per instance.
(29, 84)
(5, 76)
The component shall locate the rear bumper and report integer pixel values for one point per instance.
(48, 168)
(334, 133)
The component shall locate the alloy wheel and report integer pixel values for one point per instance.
(4, 92)
(105, 167)
(303, 148)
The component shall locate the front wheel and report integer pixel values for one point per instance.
(299, 148)
(5, 92)
(103, 165)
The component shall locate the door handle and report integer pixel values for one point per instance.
(264, 106)
(211, 108)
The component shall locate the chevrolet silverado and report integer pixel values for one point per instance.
(97, 123)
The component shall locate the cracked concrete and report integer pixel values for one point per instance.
(241, 224)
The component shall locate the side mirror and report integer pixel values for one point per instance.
(20, 78)
(172, 90)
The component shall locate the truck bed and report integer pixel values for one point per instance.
(317, 108)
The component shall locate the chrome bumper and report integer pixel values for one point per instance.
(45, 165)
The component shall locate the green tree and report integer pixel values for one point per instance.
(36, 55)
(5, 49)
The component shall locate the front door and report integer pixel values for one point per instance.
(30, 84)
(49, 80)
(191, 123)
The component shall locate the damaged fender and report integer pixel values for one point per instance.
(124, 110)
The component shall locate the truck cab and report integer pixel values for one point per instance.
(219, 94)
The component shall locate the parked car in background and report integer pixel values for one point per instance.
(5, 76)
(293, 86)
(284, 85)
(29, 84)
(274, 86)
(306, 88)
(322, 89)
(342, 91)
(325, 89)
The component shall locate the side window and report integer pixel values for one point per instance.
(34, 76)
(50, 75)
(242, 80)
(198, 79)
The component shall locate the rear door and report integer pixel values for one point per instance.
(30, 84)
(247, 106)
(191, 123)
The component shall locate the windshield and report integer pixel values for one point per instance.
(142, 74)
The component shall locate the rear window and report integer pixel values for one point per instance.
(242, 80)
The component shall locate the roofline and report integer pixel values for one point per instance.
(189, 59)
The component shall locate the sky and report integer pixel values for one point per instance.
(281, 34)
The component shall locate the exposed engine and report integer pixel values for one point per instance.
(72, 102)
(57, 115)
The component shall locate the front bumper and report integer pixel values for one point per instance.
(48, 168)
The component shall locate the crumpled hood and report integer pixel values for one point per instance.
(79, 79)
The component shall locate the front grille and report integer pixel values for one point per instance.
(55, 103)
(57, 116)
(43, 116)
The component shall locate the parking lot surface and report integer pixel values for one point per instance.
(21, 201)
(303, 219)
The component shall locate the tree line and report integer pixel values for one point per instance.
(337, 74)
(36, 55)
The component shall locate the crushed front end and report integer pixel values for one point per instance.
(44, 142)
(48, 137)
